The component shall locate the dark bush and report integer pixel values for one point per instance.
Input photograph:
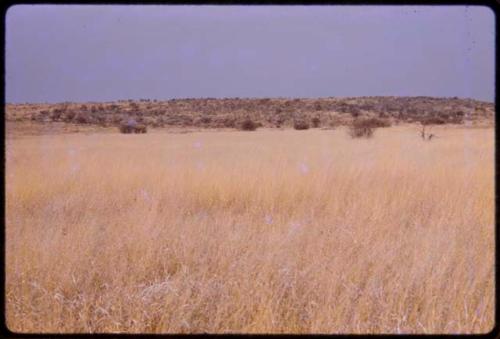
(382, 114)
(69, 116)
(125, 129)
(157, 123)
(362, 128)
(316, 122)
(433, 121)
(128, 126)
(248, 125)
(82, 119)
(206, 120)
(56, 114)
(140, 129)
(377, 122)
(355, 112)
(300, 125)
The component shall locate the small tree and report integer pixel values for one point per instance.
(434, 120)
(140, 129)
(355, 112)
(425, 123)
(128, 126)
(361, 128)
(316, 122)
(248, 125)
(300, 125)
(82, 118)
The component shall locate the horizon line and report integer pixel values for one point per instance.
(250, 98)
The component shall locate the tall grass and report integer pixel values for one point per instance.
(265, 232)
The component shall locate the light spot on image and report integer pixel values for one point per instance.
(303, 168)
(200, 165)
(144, 194)
(295, 226)
(268, 219)
(75, 167)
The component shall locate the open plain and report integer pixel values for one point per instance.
(271, 231)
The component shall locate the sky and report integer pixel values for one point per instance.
(80, 53)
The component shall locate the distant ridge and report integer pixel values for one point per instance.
(267, 112)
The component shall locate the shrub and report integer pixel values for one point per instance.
(128, 126)
(140, 129)
(279, 121)
(355, 112)
(382, 114)
(433, 121)
(316, 122)
(206, 120)
(300, 124)
(56, 114)
(157, 123)
(361, 128)
(82, 119)
(377, 122)
(228, 122)
(69, 116)
(125, 129)
(248, 125)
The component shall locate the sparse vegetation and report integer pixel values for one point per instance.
(203, 233)
(226, 113)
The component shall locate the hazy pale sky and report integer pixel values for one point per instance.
(58, 53)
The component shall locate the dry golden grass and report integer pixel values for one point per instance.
(253, 232)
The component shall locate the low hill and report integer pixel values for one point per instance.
(268, 112)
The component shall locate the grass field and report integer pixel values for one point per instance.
(251, 232)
